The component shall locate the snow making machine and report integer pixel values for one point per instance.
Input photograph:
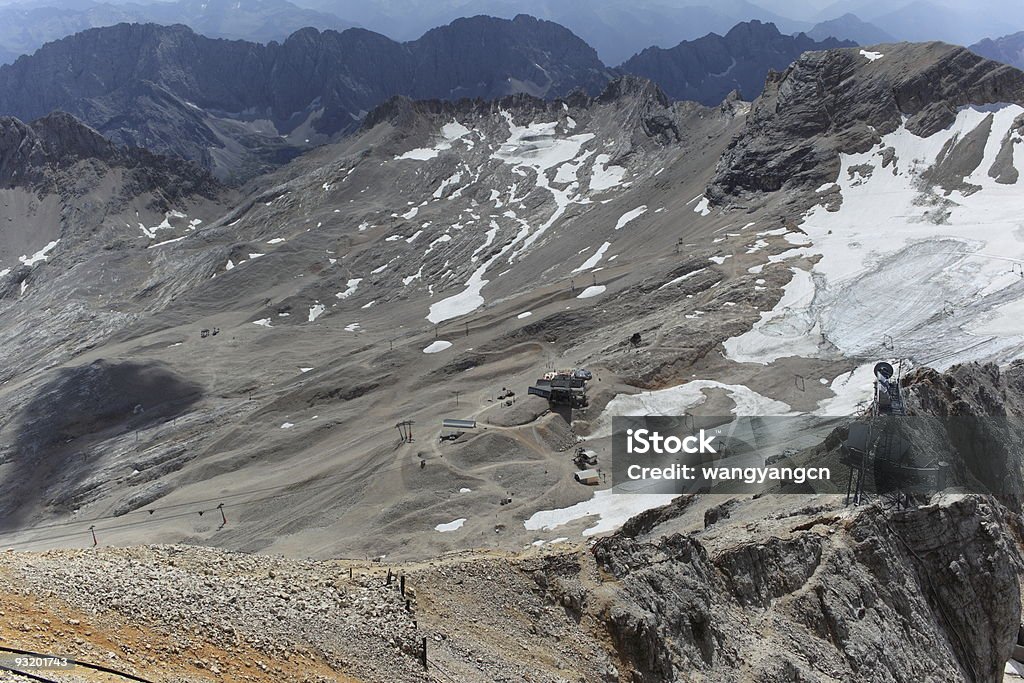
(563, 387)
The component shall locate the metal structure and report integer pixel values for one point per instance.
(878, 447)
(405, 430)
(887, 399)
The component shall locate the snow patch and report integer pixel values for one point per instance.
(450, 132)
(682, 277)
(612, 510)
(451, 526)
(352, 285)
(956, 248)
(437, 346)
(40, 255)
(594, 259)
(630, 215)
(604, 177)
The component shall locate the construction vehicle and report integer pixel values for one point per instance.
(585, 458)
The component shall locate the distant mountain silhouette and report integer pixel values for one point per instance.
(241, 106)
(709, 68)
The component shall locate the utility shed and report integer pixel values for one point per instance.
(451, 423)
(588, 477)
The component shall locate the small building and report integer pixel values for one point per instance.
(588, 477)
(567, 387)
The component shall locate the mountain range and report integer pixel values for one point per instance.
(26, 27)
(619, 30)
(239, 108)
(615, 30)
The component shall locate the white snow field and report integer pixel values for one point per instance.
(594, 259)
(350, 288)
(612, 510)
(629, 216)
(907, 269)
(703, 207)
(678, 400)
(679, 279)
(316, 310)
(604, 177)
(853, 391)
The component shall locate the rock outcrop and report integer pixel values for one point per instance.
(38, 156)
(924, 594)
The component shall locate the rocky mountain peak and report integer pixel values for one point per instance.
(65, 136)
(57, 141)
(43, 155)
(634, 87)
(1008, 49)
(843, 100)
(708, 68)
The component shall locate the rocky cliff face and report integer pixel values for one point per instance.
(708, 69)
(971, 389)
(843, 101)
(230, 105)
(924, 594)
